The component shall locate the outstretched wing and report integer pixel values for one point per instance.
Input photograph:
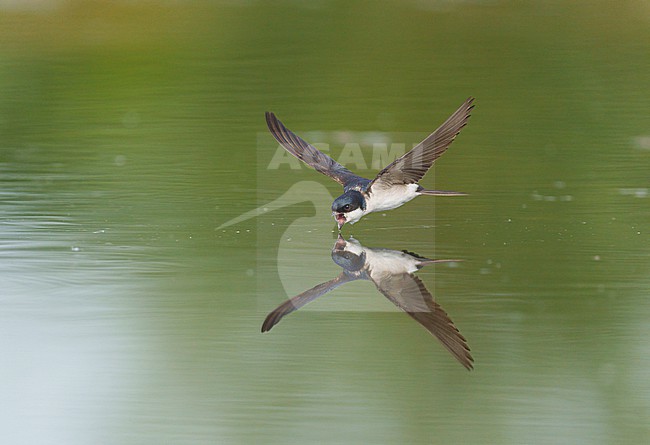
(407, 292)
(411, 167)
(302, 299)
(309, 154)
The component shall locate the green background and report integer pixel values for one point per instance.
(130, 131)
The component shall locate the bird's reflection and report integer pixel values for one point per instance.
(392, 272)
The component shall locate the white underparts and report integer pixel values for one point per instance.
(390, 198)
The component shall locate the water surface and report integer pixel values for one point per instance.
(130, 135)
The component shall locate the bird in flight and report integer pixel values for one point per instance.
(394, 186)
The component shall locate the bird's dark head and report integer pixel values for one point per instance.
(349, 207)
(350, 255)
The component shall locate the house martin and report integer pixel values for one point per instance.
(394, 186)
(392, 272)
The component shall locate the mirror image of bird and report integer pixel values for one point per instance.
(393, 274)
(394, 186)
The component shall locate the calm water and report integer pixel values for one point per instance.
(131, 314)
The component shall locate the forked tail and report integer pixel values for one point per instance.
(440, 193)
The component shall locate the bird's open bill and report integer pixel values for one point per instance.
(340, 219)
